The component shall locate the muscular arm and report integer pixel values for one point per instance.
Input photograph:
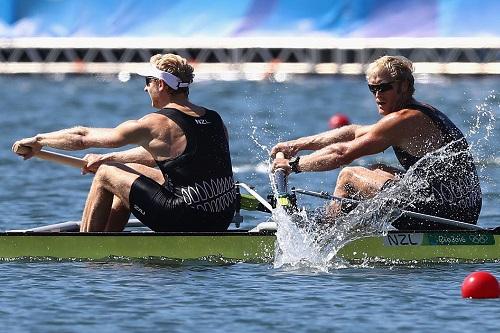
(335, 155)
(321, 140)
(78, 138)
(135, 155)
(318, 141)
(389, 131)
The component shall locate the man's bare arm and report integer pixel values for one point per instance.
(318, 141)
(321, 140)
(79, 138)
(373, 139)
(135, 155)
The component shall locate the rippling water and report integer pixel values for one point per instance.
(198, 296)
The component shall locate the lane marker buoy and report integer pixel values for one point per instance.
(480, 285)
(338, 120)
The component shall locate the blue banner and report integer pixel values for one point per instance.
(228, 18)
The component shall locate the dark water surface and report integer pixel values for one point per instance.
(198, 296)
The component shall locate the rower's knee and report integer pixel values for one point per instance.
(104, 173)
(347, 175)
(346, 182)
(118, 204)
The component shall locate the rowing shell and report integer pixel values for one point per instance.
(256, 245)
(246, 246)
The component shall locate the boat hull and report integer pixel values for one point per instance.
(438, 246)
(242, 246)
(231, 246)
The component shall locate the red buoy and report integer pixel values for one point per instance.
(338, 120)
(480, 285)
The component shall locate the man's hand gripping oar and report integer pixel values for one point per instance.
(283, 198)
(28, 152)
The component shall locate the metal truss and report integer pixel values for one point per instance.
(313, 56)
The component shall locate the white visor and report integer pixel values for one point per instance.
(170, 79)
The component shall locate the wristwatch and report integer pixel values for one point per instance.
(294, 164)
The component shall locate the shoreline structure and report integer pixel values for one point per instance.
(249, 57)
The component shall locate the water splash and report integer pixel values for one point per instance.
(297, 245)
(256, 138)
(481, 132)
(483, 120)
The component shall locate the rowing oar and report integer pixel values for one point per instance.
(437, 219)
(283, 198)
(51, 156)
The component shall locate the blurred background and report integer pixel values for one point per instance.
(249, 38)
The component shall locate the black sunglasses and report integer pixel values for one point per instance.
(149, 79)
(382, 87)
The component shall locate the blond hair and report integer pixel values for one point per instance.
(398, 67)
(175, 65)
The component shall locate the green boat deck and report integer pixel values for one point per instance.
(244, 246)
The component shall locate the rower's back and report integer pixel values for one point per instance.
(202, 175)
(447, 183)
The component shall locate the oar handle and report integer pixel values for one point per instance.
(61, 158)
(280, 178)
(53, 157)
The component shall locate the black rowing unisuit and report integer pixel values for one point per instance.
(452, 185)
(199, 192)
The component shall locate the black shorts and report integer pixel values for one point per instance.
(162, 210)
(452, 211)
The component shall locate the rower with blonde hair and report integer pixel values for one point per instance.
(178, 178)
(423, 139)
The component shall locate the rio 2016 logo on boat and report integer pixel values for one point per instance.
(479, 239)
(461, 239)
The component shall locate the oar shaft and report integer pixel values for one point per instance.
(51, 156)
(61, 158)
(442, 220)
(324, 195)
